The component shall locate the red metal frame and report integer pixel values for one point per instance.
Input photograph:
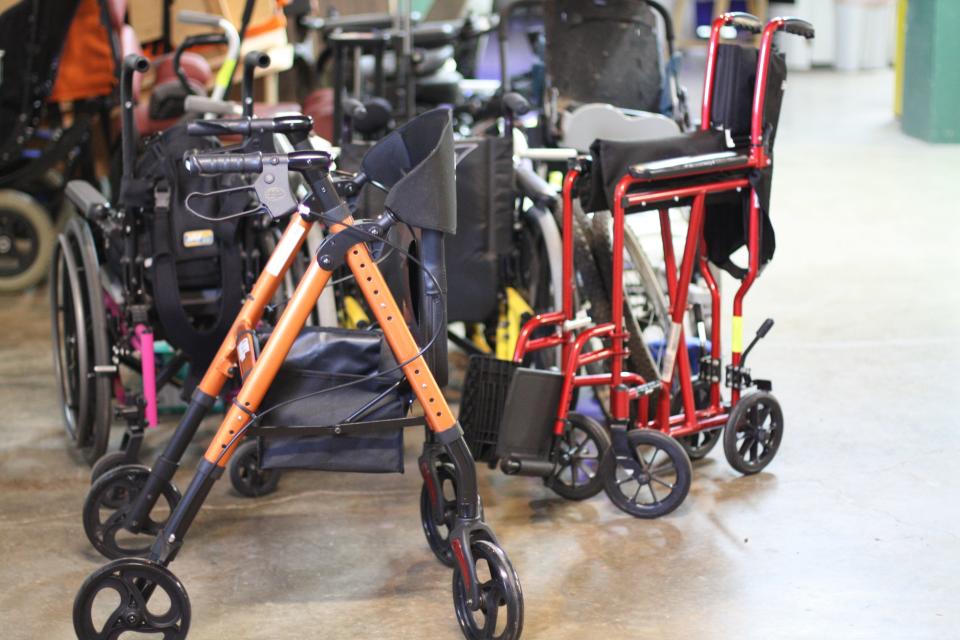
(641, 193)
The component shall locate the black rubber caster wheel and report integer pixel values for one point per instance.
(107, 462)
(131, 596)
(247, 477)
(106, 507)
(753, 432)
(584, 449)
(655, 480)
(438, 535)
(698, 445)
(499, 615)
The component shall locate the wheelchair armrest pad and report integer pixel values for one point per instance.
(85, 197)
(683, 165)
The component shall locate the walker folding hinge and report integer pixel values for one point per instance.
(710, 369)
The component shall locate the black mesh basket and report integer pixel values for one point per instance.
(348, 364)
(484, 398)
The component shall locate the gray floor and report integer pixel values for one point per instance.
(852, 533)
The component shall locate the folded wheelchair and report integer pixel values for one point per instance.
(722, 171)
(322, 398)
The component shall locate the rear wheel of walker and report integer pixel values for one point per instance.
(438, 535)
(584, 451)
(107, 462)
(246, 475)
(753, 432)
(499, 615)
(81, 344)
(106, 507)
(27, 238)
(131, 596)
(655, 480)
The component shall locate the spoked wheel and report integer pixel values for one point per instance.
(697, 445)
(584, 449)
(131, 596)
(655, 480)
(27, 238)
(500, 614)
(107, 505)
(753, 432)
(438, 535)
(81, 341)
(246, 475)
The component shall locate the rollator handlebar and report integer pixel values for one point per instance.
(251, 126)
(303, 161)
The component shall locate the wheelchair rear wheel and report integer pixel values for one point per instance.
(81, 343)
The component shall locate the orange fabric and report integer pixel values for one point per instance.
(86, 64)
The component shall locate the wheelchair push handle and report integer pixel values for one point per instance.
(284, 125)
(354, 109)
(197, 17)
(796, 26)
(743, 20)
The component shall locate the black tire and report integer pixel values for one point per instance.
(584, 454)
(438, 535)
(673, 474)
(80, 342)
(107, 462)
(112, 495)
(697, 445)
(247, 477)
(27, 239)
(136, 582)
(756, 421)
(641, 360)
(500, 614)
(534, 282)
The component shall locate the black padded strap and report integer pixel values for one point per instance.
(199, 344)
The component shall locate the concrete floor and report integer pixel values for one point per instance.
(852, 532)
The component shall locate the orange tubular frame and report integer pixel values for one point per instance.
(437, 412)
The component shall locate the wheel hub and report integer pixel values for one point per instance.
(132, 617)
(6, 244)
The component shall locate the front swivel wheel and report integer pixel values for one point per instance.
(137, 597)
(499, 613)
(753, 432)
(655, 478)
(246, 474)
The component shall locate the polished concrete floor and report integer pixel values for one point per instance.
(851, 533)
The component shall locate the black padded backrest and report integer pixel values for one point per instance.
(735, 79)
(416, 165)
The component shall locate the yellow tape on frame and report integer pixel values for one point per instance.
(736, 340)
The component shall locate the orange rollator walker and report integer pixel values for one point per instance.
(415, 165)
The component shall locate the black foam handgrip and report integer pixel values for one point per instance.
(797, 27)
(197, 163)
(353, 108)
(746, 21)
(247, 126)
(516, 103)
(765, 328)
(218, 127)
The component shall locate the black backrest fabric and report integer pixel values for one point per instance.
(604, 51)
(734, 82)
(485, 202)
(416, 164)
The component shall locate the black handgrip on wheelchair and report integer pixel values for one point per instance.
(515, 103)
(353, 108)
(283, 125)
(796, 26)
(742, 20)
(251, 61)
(197, 163)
